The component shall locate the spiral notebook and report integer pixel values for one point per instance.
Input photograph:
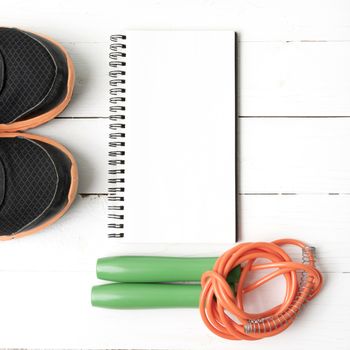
(172, 175)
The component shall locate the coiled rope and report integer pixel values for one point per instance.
(218, 299)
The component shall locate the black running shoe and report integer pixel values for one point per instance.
(36, 79)
(38, 183)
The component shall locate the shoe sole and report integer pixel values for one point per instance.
(47, 116)
(72, 190)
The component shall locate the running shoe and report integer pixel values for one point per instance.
(36, 79)
(38, 183)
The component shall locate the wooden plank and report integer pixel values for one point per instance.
(277, 155)
(79, 238)
(269, 86)
(52, 310)
(295, 155)
(294, 79)
(255, 20)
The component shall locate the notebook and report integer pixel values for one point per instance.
(172, 156)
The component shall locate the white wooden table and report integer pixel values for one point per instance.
(294, 106)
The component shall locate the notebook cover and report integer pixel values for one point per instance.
(179, 178)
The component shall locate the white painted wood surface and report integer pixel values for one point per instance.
(295, 172)
(269, 86)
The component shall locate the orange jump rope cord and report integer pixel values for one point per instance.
(217, 297)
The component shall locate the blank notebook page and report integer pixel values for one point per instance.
(180, 137)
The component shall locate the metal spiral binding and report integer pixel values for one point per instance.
(268, 324)
(116, 161)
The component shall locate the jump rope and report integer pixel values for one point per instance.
(155, 282)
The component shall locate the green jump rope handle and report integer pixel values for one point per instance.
(144, 269)
(141, 281)
(145, 295)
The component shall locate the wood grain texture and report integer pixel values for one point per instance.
(295, 155)
(52, 310)
(277, 155)
(293, 62)
(288, 79)
(269, 20)
(77, 240)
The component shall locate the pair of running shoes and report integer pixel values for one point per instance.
(38, 176)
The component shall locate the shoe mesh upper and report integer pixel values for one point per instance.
(31, 183)
(29, 74)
